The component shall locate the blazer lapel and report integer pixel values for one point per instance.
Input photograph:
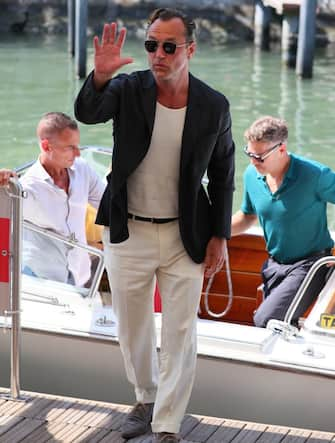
(192, 123)
(149, 97)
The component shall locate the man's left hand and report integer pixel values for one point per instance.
(5, 175)
(215, 256)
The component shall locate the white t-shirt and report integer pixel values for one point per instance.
(50, 207)
(153, 187)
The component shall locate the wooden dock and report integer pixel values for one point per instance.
(43, 418)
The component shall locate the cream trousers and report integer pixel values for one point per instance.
(155, 251)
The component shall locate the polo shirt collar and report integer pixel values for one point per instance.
(290, 173)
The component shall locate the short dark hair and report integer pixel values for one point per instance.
(169, 13)
(53, 123)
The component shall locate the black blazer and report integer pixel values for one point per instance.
(207, 146)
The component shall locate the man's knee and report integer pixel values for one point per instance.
(268, 311)
(260, 318)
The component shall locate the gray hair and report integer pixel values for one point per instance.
(267, 129)
(52, 123)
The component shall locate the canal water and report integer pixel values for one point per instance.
(37, 75)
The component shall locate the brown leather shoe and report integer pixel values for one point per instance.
(165, 437)
(138, 420)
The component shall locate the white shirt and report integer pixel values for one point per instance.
(50, 207)
(153, 187)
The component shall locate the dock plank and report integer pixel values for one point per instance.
(146, 438)
(45, 418)
(188, 424)
(54, 410)
(69, 432)
(7, 422)
(323, 437)
(250, 433)
(226, 432)
(113, 437)
(34, 408)
(273, 434)
(205, 429)
(21, 430)
(297, 436)
(115, 418)
(91, 435)
(44, 433)
(74, 415)
(95, 416)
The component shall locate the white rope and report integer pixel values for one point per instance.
(230, 288)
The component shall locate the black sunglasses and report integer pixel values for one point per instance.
(261, 157)
(169, 47)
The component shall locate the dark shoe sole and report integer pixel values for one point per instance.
(128, 435)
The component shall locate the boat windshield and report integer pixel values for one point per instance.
(327, 318)
(47, 256)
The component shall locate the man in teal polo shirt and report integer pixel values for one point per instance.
(288, 194)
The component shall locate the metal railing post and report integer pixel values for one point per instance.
(13, 193)
(306, 39)
(16, 239)
(71, 6)
(81, 12)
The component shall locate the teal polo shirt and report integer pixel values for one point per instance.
(294, 218)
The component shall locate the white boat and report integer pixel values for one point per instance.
(69, 346)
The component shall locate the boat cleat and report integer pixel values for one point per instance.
(282, 328)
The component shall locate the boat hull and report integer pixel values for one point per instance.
(92, 368)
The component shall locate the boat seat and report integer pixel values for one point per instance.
(93, 231)
(94, 238)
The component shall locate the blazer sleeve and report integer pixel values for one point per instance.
(220, 173)
(93, 106)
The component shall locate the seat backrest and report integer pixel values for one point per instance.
(93, 231)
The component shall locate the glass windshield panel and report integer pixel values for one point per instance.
(47, 257)
(322, 316)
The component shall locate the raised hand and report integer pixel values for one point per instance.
(107, 54)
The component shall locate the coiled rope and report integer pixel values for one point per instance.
(230, 288)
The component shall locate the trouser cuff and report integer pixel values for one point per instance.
(165, 427)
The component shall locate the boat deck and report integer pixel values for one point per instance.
(47, 418)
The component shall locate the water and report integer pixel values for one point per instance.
(37, 75)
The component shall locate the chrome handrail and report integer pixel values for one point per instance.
(304, 286)
(70, 241)
(23, 167)
(97, 149)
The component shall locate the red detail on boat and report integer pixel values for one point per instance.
(4, 249)
(157, 300)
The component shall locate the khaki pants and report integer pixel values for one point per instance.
(156, 251)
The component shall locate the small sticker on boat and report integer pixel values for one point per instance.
(327, 321)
